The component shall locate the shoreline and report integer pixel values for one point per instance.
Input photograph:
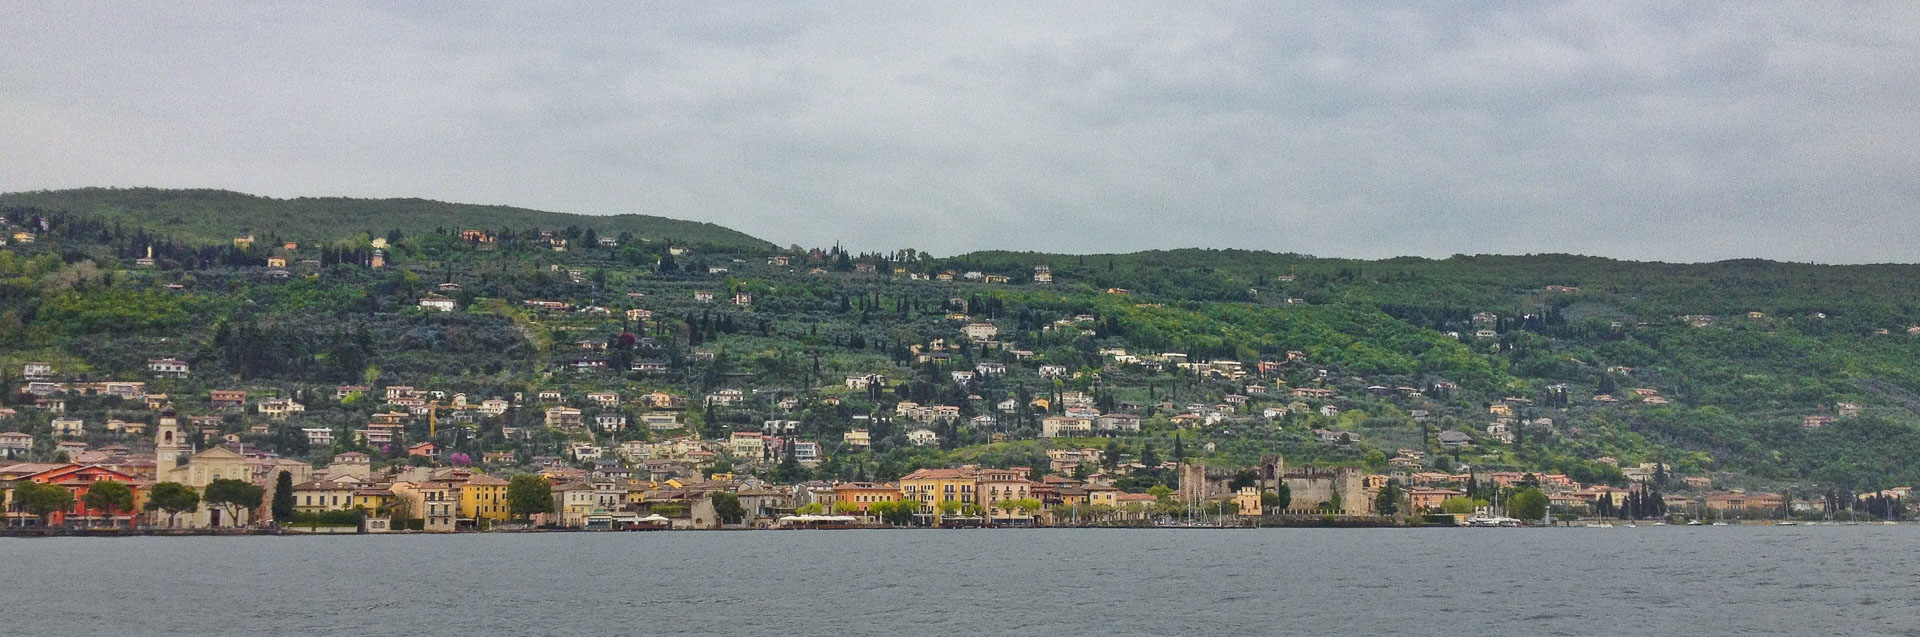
(343, 531)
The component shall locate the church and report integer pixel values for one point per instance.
(176, 461)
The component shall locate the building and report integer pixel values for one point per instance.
(563, 417)
(660, 420)
(68, 427)
(433, 502)
(169, 366)
(573, 502)
(980, 331)
(321, 437)
(77, 479)
(1065, 426)
(484, 497)
(280, 408)
(863, 381)
(437, 303)
(325, 495)
(227, 399)
(1429, 499)
(15, 445)
(610, 422)
(865, 494)
(994, 488)
(930, 487)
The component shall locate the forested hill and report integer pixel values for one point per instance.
(219, 215)
(1738, 374)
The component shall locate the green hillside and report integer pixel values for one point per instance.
(218, 215)
(1743, 374)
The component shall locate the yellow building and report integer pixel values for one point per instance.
(373, 499)
(1247, 500)
(930, 487)
(484, 497)
(573, 502)
(1102, 496)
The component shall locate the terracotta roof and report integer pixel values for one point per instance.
(938, 474)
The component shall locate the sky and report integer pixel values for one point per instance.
(1676, 131)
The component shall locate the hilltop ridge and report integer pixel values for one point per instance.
(218, 215)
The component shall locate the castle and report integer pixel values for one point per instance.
(1309, 487)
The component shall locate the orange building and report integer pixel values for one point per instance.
(865, 494)
(1425, 499)
(78, 479)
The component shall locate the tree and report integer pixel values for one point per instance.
(1387, 503)
(949, 507)
(109, 496)
(528, 494)
(1160, 492)
(845, 508)
(234, 496)
(1528, 504)
(1020, 505)
(173, 499)
(283, 499)
(1457, 505)
(42, 499)
(811, 508)
(891, 512)
(727, 507)
(1277, 499)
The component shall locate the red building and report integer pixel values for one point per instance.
(78, 479)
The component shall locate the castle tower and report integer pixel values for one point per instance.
(170, 446)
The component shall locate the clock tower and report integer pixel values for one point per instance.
(170, 445)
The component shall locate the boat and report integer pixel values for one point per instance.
(1659, 524)
(1719, 524)
(1694, 523)
(819, 522)
(1890, 523)
(1599, 525)
(1786, 523)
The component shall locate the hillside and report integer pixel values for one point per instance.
(1738, 374)
(219, 215)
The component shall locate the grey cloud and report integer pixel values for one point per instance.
(1675, 131)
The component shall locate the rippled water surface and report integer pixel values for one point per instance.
(1859, 580)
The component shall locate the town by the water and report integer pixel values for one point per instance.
(560, 378)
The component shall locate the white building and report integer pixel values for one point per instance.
(318, 436)
(173, 366)
(980, 331)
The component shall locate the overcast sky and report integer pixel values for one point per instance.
(1684, 131)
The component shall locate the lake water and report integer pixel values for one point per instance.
(1859, 580)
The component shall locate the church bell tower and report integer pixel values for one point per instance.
(170, 445)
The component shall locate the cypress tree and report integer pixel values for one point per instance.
(283, 499)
